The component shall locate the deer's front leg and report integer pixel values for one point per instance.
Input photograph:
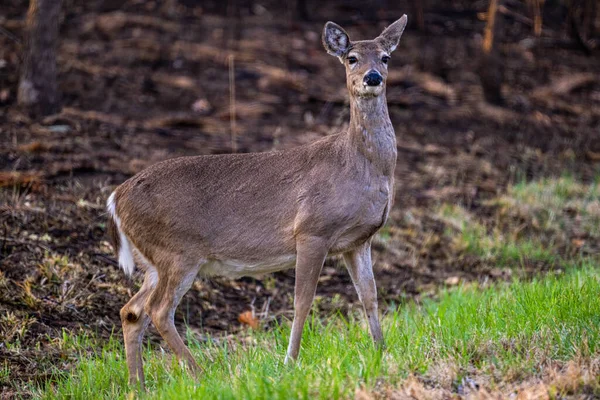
(360, 267)
(310, 255)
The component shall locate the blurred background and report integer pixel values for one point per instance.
(496, 107)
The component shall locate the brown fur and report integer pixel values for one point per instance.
(113, 235)
(245, 214)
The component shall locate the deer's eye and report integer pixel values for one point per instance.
(352, 60)
(385, 59)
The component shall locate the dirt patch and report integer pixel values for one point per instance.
(574, 379)
(148, 81)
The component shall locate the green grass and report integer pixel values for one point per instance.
(511, 329)
(503, 248)
(532, 222)
(553, 203)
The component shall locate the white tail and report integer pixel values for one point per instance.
(248, 214)
(124, 248)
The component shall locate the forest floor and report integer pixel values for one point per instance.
(483, 193)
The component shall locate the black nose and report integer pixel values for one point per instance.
(373, 78)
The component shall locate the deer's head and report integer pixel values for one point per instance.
(366, 61)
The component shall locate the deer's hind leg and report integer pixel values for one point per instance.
(174, 280)
(135, 320)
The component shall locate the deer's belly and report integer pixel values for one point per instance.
(238, 268)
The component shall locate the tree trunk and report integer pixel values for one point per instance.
(302, 10)
(38, 88)
(418, 15)
(491, 71)
(582, 22)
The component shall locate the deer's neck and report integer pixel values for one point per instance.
(371, 132)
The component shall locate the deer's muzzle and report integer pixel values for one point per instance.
(373, 78)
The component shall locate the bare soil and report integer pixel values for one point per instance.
(143, 81)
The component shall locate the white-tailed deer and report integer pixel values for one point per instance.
(247, 214)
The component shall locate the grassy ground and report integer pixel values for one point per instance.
(467, 339)
(535, 334)
(545, 221)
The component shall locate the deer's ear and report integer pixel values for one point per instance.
(390, 37)
(335, 39)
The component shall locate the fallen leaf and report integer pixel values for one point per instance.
(452, 281)
(33, 147)
(247, 318)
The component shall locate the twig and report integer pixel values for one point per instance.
(265, 309)
(10, 35)
(536, 6)
(4, 238)
(488, 40)
(518, 17)
(107, 259)
(232, 121)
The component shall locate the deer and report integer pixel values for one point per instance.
(235, 215)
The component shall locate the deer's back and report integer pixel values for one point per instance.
(244, 210)
(230, 203)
